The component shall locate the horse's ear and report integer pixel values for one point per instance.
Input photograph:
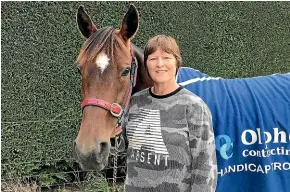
(85, 23)
(130, 23)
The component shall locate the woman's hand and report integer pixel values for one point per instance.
(116, 131)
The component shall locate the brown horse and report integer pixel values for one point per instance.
(106, 66)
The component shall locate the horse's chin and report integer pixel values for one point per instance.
(94, 167)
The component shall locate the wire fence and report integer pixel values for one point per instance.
(37, 155)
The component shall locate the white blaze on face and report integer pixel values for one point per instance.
(102, 61)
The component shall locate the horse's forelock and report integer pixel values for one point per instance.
(101, 41)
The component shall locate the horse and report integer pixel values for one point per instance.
(105, 64)
(250, 115)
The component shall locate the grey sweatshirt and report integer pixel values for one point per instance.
(171, 143)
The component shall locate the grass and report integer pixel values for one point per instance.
(93, 182)
(19, 186)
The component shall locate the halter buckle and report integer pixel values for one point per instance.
(114, 113)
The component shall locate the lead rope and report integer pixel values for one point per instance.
(115, 164)
(116, 147)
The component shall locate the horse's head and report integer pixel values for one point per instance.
(105, 65)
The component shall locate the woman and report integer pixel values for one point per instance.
(169, 130)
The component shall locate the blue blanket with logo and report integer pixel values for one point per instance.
(251, 121)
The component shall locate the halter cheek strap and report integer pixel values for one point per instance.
(115, 109)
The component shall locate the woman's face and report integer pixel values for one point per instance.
(161, 66)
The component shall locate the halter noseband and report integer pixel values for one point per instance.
(115, 109)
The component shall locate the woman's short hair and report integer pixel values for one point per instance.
(167, 44)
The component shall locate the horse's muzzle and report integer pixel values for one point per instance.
(93, 160)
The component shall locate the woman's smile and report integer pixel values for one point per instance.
(161, 71)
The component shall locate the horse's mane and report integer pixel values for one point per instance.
(102, 40)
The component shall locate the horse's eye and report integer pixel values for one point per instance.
(79, 69)
(126, 71)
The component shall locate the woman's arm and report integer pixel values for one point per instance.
(202, 147)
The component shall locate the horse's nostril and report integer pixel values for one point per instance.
(104, 147)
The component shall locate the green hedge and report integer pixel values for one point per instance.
(40, 42)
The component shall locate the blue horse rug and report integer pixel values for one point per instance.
(251, 121)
